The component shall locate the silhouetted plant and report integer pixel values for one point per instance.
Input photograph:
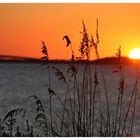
(45, 52)
(40, 118)
(9, 119)
(59, 75)
(79, 117)
(83, 112)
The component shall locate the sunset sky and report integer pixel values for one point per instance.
(24, 26)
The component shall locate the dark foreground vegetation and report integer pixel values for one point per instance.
(85, 110)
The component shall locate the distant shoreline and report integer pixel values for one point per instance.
(107, 60)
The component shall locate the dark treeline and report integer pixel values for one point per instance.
(107, 60)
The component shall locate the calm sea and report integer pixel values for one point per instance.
(19, 81)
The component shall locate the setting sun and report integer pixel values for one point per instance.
(135, 53)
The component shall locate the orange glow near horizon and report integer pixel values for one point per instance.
(24, 26)
(135, 53)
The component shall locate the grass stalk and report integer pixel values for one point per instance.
(129, 105)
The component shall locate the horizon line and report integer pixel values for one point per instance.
(38, 58)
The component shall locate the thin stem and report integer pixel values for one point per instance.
(130, 103)
(49, 78)
(106, 94)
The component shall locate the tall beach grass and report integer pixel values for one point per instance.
(85, 110)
